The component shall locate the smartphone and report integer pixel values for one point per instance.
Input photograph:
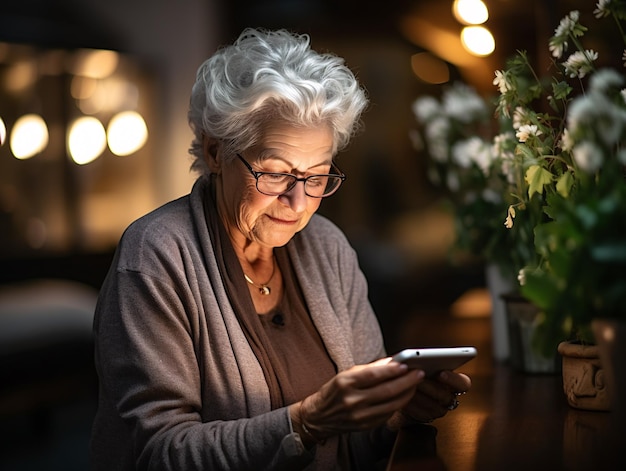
(434, 360)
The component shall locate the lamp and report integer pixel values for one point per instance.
(470, 12)
(67, 116)
(477, 40)
(29, 136)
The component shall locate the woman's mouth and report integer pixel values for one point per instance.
(289, 222)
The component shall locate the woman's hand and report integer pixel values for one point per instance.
(433, 398)
(359, 398)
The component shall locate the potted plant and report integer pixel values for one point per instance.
(456, 131)
(571, 129)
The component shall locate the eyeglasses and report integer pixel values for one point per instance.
(315, 186)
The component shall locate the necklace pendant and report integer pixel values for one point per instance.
(265, 290)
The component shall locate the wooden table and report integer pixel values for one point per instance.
(513, 421)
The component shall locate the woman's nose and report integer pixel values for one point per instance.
(296, 197)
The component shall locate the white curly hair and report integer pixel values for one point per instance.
(269, 75)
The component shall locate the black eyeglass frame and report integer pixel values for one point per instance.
(256, 175)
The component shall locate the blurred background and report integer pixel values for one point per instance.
(93, 103)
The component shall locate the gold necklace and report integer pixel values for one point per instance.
(264, 289)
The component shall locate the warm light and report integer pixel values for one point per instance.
(470, 12)
(478, 40)
(29, 136)
(20, 76)
(96, 64)
(127, 133)
(82, 88)
(429, 68)
(3, 132)
(86, 140)
(109, 95)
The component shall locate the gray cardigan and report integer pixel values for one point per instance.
(180, 388)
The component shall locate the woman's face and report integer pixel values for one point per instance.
(271, 221)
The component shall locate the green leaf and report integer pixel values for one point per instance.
(537, 178)
(561, 90)
(564, 184)
(525, 151)
(541, 289)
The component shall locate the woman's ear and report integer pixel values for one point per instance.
(211, 153)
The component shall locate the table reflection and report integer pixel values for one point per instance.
(511, 421)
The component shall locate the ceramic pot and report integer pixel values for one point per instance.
(497, 285)
(610, 335)
(584, 379)
(522, 320)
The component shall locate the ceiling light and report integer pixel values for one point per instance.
(478, 40)
(470, 12)
(29, 136)
(127, 133)
(3, 132)
(86, 140)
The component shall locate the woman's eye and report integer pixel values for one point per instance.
(275, 177)
(317, 181)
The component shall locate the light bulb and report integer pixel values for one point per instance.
(478, 40)
(29, 136)
(126, 133)
(86, 140)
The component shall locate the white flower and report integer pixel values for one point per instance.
(501, 82)
(579, 114)
(588, 156)
(566, 143)
(557, 49)
(509, 168)
(567, 24)
(463, 104)
(605, 80)
(527, 130)
(580, 63)
(437, 138)
(426, 108)
(461, 151)
(610, 122)
(483, 157)
(520, 117)
(567, 27)
(521, 277)
(595, 113)
(473, 151)
(491, 196)
(601, 10)
(437, 128)
(503, 142)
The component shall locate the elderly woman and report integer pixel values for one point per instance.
(233, 331)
